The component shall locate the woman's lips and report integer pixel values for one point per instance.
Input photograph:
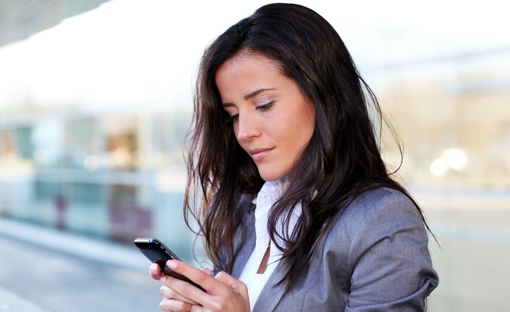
(259, 153)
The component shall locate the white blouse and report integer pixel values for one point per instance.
(267, 196)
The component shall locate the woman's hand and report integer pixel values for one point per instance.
(223, 292)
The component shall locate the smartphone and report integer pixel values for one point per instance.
(158, 253)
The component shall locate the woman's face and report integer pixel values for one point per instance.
(273, 121)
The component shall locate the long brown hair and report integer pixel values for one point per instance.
(341, 160)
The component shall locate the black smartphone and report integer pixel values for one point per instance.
(158, 253)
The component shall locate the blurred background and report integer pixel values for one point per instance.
(96, 97)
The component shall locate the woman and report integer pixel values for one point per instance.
(294, 201)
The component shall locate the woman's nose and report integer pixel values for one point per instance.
(247, 128)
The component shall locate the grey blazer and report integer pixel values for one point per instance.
(375, 258)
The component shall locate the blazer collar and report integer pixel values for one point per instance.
(271, 294)
(244, 241)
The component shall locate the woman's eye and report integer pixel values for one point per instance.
(265, 107)
(233, 118)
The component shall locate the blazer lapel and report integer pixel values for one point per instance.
(244, 253)
(245, 240)
(271, 294)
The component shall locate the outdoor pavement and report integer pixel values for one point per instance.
(12, 302)
(43, 269)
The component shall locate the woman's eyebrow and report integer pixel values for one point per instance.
(248, 96)
(254, 93)
(225, 105)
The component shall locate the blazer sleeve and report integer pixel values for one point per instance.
(391, 268)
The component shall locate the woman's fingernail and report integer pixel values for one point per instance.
(172, 264)
(153, 268)
(162, 279)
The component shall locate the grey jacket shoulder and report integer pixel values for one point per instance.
(374, 258)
